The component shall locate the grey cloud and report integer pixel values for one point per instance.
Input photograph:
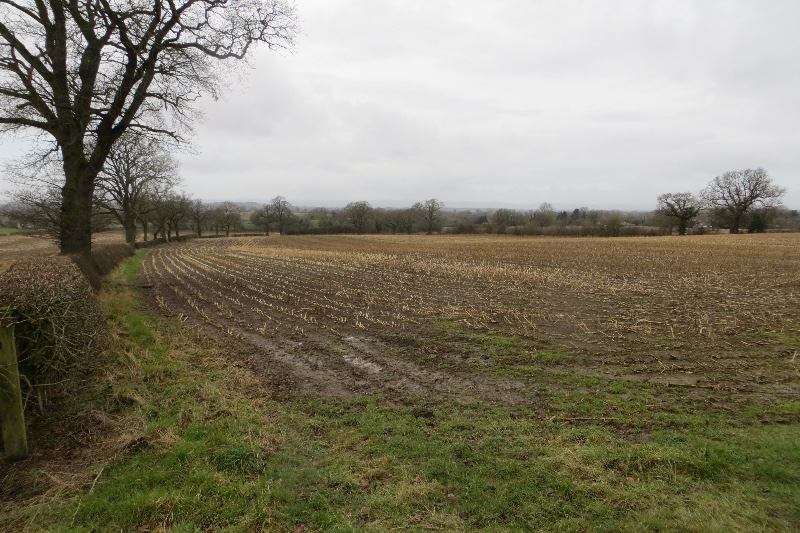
(569, 102)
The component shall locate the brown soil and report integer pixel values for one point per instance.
(401, 317)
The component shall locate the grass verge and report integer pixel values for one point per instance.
(167, 431)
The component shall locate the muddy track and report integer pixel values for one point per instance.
(341, 366)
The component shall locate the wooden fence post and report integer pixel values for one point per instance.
(12, 418)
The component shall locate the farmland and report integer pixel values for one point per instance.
(14, 247)
(501, 320)
(431, 383)
(19, 244)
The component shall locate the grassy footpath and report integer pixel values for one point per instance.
(185, 439)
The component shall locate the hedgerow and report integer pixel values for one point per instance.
(57, 319)
(102, 261)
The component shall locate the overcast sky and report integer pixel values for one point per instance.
(574, 102)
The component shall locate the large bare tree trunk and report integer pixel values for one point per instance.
(736, 221)
(130, 230)
(75, 234)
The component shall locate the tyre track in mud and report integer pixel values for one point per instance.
(343, 364)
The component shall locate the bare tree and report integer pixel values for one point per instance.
(136, 166)
(178, 207)
(402, 220)
(503, 218)
(198, 214)
(545, 215)
(83, 73)
(37, 181)
(262, 217)
(228, 216)
(162, 214)
(36, 211)
(682, 208)
(153, 208)
(430, 212)
(358, 213)
(735, 192)
(379, 219)
(281, 212)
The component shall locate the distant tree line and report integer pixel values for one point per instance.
(356, 217)
(138, 191)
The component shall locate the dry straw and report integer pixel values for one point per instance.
(58, 321)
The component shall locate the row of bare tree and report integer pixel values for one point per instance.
(728, 200)
(137, 189)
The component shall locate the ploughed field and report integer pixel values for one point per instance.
(575, 329)
(18, 246)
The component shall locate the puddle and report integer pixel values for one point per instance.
(361, 363)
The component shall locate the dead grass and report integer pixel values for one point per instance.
(183, 432)
(17, 246)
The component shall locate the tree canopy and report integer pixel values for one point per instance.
(681, 207)
(735, 192)
(83, 73)
(430, 212)
(359, 213)
(137, 169)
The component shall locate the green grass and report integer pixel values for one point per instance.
(205, 448)
(129, 269)
(17, 231)
(501, 349)
(246, 225)
(790, 337)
